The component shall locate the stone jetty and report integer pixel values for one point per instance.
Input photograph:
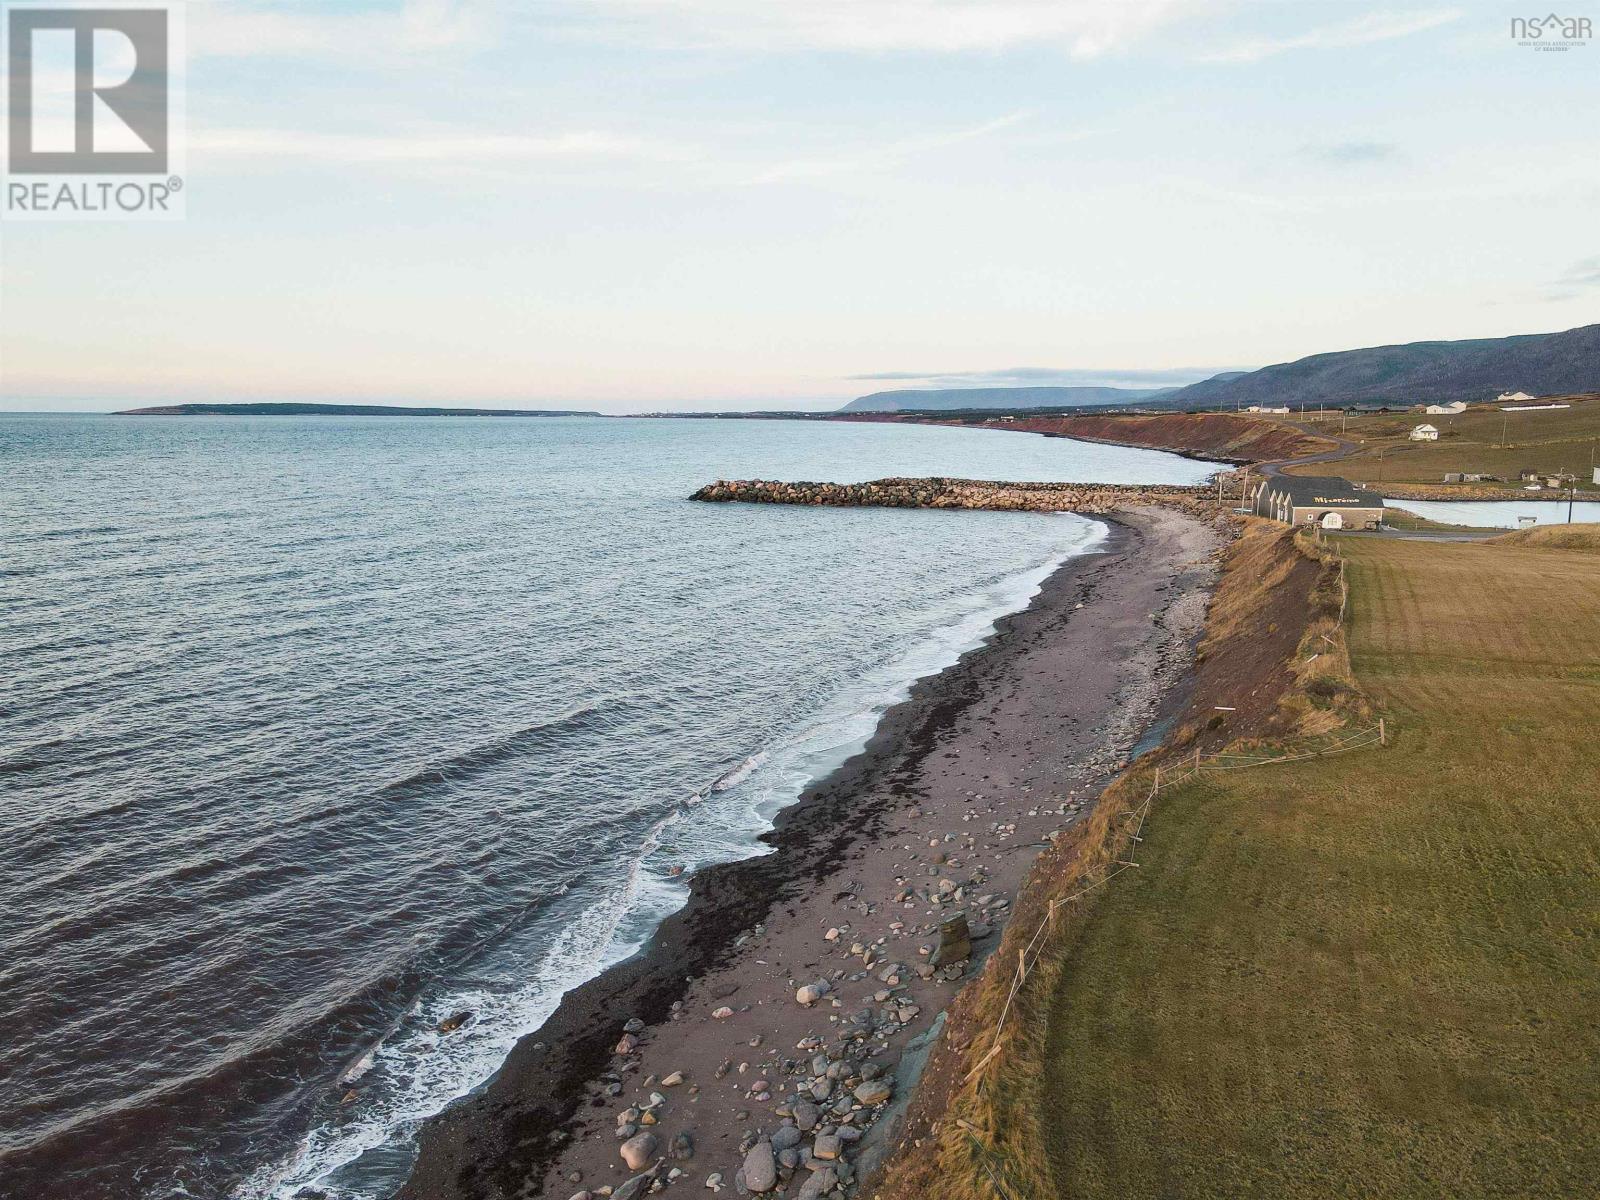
(939, 492)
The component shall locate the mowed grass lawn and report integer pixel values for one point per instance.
(1376, 974)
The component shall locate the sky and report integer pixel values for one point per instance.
(639, 205)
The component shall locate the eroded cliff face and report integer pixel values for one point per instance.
(1230, 436)
(954, 493)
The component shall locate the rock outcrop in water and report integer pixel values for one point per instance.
(938, 492)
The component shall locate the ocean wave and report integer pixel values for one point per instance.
(740, 773)
(584, 721)
(414, 1071)
(739, 801)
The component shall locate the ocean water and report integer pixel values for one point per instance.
(314, 731)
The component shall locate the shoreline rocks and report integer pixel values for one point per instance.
(939, 492)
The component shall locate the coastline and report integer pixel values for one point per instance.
(985, 759)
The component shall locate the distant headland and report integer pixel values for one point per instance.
(291, 409)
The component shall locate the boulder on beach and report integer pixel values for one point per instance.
(819, 1184)
(760, 1167)
(955, 941)
(812, 992)
(873, 1091)
(638, 1150)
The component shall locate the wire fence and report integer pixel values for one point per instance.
(1130, 836)
(1133, 832)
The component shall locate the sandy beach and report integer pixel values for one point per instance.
(698, 1049)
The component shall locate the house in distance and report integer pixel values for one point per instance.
(1316, 500)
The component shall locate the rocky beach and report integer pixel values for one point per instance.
(766, 1039)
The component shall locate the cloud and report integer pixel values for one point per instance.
(1578, 279)
(373, 36)
(1136, 377)
(1352, 153)
(385, 29)
(1082, 28)
(1364, 31)
(881, 157)
(432, 146)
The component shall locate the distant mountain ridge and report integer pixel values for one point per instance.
(1543, 364)
(1478, 369)
(956, 399)
(296, 409)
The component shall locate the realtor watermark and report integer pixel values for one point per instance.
(1552, 32)
(94, 110)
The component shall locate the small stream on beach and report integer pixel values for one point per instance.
(319, 731)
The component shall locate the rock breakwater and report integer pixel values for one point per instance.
(939, 492)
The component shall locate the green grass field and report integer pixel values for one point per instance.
(1377, 974)
(1482, 440)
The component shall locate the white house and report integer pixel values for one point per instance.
(1424, 433)
(1261, 408)
(1447, 410)
(1512, 397)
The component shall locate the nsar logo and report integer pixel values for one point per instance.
(1552, 32)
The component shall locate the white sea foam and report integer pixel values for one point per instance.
(424, 1071)
(428, 1070)
(740, 773)
(439, 647)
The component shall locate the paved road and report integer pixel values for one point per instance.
(1346, 448)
